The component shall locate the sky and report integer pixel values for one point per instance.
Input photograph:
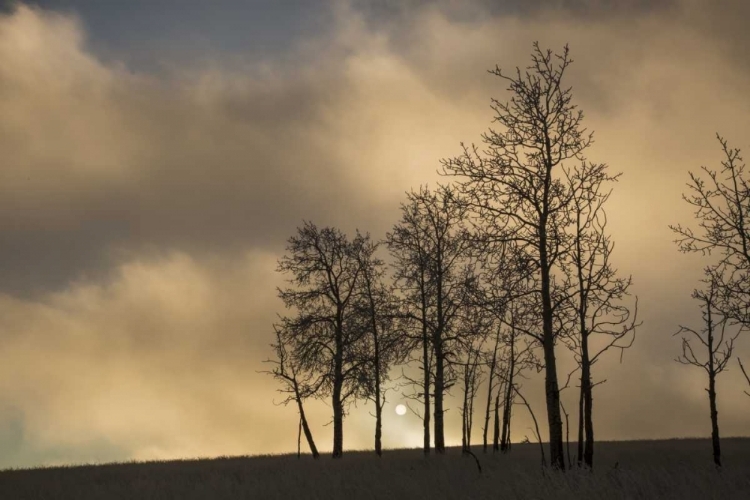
(155, 159)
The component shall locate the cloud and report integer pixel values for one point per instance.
(142, 215)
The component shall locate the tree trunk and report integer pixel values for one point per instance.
(439, 385)
(508, 407)
(552, 390)
(496, 433)
(465, 415)
(714, 419)
(426, 366)
(378, 395)
(306, 430)
(338, 421)
(378, 422)
(579, 457)
(586, 389)
(712, 391)
(299, 439)
(337, 403)
(489, 400)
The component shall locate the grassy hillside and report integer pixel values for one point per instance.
(679, 469)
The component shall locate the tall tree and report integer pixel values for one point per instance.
(430, 246)
(325, 336)
(721, 203)
(718, 350)
(516, 188)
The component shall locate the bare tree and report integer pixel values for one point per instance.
(379, 314)
(516, 189)
(597, 294)
(430, 246)
(297, 386)
(718, 345)
(325, 336)
(722, 208)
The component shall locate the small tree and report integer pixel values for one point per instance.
(597, 295)
(297, 385)
(376, 304)
(718, 348)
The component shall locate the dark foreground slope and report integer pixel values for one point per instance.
(679, 469)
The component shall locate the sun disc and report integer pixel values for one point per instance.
(400, 410)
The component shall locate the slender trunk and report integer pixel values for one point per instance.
(426, 367)
(496, 433)
(712, 392)
(439, 384)
(567, 433)
(376, 363)
(508, 408)
(378, 420)
(439, 356)
(579, 457)
(588, 447)
(299, 439)
(306, 430)
(489, 399)
(552, 391)
(464, 414)
(303, 424)
(714, 419)
(469, 400)
(338, 420)
(336, 402)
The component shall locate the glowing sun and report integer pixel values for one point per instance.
(400, 410)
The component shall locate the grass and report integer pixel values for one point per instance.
(680, 469)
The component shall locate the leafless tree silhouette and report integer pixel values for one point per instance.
(297, 386)
(597, 294)
(325, 336)
(718, 344)
(516, 187)
(378, 309)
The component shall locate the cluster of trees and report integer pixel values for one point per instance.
(488, 276)
(492, 274)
